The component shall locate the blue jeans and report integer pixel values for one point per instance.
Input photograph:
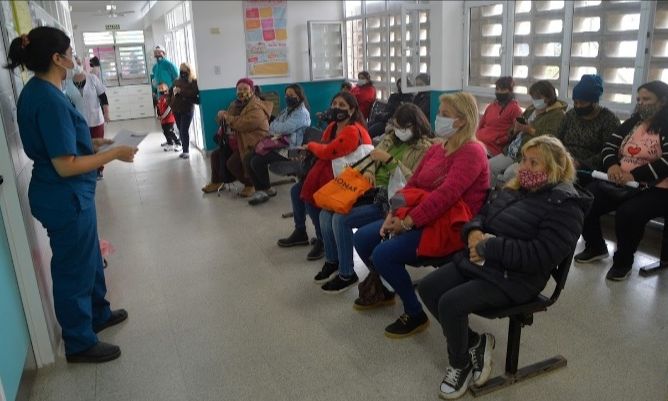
(337, 234)
(301, 208)
(389, 258)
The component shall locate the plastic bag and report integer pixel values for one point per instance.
(338, 165)
(397, 182)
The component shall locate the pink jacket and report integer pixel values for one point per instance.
(495, 123)
(463, 174)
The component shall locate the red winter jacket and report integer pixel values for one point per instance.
(441, 236)
(495, 123)
(350, 137)
(163, 106)
(366, 96)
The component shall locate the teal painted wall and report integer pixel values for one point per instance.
(14, 337)
(319, 95)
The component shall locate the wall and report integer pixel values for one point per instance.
(447, 55)
(227, 52)
(88, 22)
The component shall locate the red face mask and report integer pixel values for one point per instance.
(531, 180)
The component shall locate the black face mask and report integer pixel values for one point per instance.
(292, 101)
(584, 111)
(163, 93)
(502, 97)
(338, 115)
(184, 75)
(80, 85)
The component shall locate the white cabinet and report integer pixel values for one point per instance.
(132, 101)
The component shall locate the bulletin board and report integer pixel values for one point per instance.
(266, 34)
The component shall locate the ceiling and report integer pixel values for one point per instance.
(94, 6)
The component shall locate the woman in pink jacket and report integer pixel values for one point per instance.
(453, 170)
(499, 117)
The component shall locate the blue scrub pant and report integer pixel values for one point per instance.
(389, 259)
(77, 273)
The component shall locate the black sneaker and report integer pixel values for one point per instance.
(298, 237)
(117, 316)
(326, 272)
(591, 255)
(618, 273)
(317, 251)
(339, 284)
(407, 325)
(456, 382)
(98, 353)
(481, 358)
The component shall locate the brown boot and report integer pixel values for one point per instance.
(373, 294)
(247, 192)
(211, 187)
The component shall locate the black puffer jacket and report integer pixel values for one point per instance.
(534, 232)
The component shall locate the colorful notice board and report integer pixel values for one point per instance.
(266, 32)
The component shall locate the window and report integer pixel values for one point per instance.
(561, 40)
(121, 54)
(325, 40)
(374, 42)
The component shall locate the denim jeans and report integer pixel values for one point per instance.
(301, 208)
(389, 259)
(183, 121)
(337, 234)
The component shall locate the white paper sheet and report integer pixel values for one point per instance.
(125, 138)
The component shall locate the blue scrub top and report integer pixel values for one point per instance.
(51, 127)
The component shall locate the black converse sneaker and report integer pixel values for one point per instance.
(339, 284)
(591, 255)
(326, 272)
(618, 273)
(481, 358)
(407, 325)
(456, 382)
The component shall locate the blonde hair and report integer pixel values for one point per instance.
(558, 162)
(466, 108)
(191, 73)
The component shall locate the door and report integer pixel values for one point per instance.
(14, 338)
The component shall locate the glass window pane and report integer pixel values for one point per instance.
(658, 64)
(353, 8)
(374, 6)
(123, 37)
(485, 40)
(98, 38)
(355, 47)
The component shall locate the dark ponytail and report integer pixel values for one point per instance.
(34, 51)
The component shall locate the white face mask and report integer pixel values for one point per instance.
(444, 127)
(78, 69)
(362, 82)
(538, 104)
(403, 134)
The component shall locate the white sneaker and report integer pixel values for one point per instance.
(167, 148)
(184, 156)
(177, 148)
(164, 144)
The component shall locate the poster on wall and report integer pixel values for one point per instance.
(266, 34)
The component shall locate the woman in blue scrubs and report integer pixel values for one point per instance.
(62, 191)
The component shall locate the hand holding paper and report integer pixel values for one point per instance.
(125, 138)
(603, 176)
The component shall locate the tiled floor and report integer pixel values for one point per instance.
(219, 312)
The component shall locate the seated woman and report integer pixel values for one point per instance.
(587, 127)
(542, 117)
(454, 175)
(423, 99)
(635, 152)
(248, 116)
(365, 93)
(377, 128)
(524, 231)
(288, 126)
(340, 138)
(499, 117)
(402, 147)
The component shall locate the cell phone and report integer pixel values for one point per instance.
(521, 120)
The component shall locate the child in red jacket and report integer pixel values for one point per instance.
(167, 120)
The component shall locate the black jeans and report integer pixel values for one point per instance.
(258, 168)
(451, 296)
(183, 121)
(170, 136)
(631, 216)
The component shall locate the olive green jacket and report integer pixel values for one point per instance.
(546, 123)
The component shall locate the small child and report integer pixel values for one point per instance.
(167, 120)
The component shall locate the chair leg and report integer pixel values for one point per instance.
(662, 264)
(513, 349)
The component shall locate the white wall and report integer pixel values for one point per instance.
(227, 50)
(447, 53)
(88, 22)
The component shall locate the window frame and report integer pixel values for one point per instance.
(641, 64)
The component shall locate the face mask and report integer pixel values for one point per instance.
(584, 111)
(78, 69)
(184, 75)
(158, 58)
(163, 93)
(69, 74)
(403, 134)
(444, 127)
(538, 104)
(291, 101)
(80, 85)
(502, 97)
(362, 82)
(531, 180)
(647, 111)
(244, 96)
(338, 115)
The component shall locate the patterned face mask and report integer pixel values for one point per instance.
(531, 180)
(647, 111)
